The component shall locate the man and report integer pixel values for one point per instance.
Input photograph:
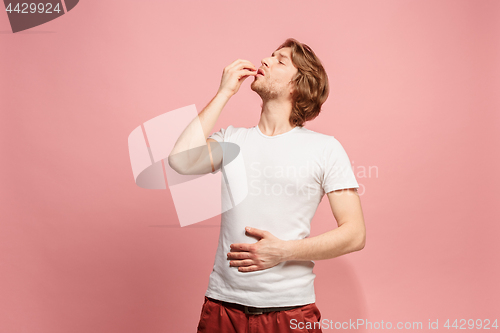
(262, 280)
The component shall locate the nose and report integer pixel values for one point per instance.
(265, 62)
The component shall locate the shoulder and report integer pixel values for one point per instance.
(319, 138)
(327, 145)
(234, 130)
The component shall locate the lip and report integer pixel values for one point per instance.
(261, 72)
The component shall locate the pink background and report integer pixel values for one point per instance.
(413, 93)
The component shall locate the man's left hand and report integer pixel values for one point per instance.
(266, 253)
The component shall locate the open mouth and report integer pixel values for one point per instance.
(260, 72)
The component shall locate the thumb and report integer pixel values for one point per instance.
(255, 232)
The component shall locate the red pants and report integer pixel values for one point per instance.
(217, 318)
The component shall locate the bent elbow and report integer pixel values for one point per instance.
(362, 245)
(361, 241)
(173, 165)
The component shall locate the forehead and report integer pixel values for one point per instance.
(285, 52)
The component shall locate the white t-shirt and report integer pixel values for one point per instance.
(286, 175)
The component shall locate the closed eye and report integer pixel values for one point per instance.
(281, 63)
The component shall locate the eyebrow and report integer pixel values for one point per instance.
(281, 55)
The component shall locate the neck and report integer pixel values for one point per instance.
(274, 118)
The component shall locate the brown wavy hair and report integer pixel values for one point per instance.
(311, 86)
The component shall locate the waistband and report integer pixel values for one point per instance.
(253, 310)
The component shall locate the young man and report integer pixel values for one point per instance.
(262, 279)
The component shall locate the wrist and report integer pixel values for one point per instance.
(289, 250)
(223, 94)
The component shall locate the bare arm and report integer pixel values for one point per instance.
(348, 237)
(191, 146)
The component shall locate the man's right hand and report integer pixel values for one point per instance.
(234, 75)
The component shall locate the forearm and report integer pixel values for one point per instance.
(334, 243)
(184, 154)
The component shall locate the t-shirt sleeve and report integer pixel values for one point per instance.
(338, 173)
(219, 137)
